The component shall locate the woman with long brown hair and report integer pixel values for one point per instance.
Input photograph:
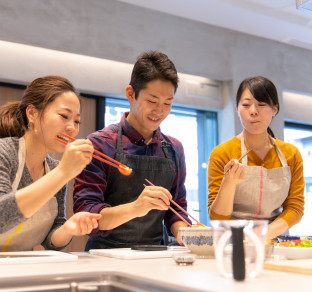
(32, 184)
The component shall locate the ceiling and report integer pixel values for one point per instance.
(277, 20)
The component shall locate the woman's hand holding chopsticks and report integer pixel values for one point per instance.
(233, 175)
(77, 155)
(234, 171)
(236, 168)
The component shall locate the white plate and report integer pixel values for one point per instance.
(294, 253)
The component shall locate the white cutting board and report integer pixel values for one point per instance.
(31, 257)
(128, 254)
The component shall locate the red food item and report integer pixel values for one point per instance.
(296, 241)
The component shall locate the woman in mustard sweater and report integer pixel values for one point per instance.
(267, 183)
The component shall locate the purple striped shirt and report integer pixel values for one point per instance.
(90, 185)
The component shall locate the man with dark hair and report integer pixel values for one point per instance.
(131, 212)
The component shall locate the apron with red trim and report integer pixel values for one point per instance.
(263, 191)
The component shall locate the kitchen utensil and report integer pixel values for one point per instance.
(303, 266)
(123, 169)
(239, 159)
(239, 247)
(174, 211)
(173, 202)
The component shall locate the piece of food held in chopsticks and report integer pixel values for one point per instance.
(123, 169)
(198, 224)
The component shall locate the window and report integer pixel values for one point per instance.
(197, 131)
(301, 136)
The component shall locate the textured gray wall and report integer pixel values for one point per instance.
(114, 30)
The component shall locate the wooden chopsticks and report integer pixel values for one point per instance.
(121, 167)
(173, 202)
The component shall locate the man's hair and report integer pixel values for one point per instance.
(152, 65)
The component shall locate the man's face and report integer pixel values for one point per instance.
(151, 107)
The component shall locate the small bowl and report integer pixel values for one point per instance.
(184, 259)
(199, 240)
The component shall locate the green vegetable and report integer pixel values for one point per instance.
(305, 243)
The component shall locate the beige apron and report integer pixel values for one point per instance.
(36, 228)
(263, 191)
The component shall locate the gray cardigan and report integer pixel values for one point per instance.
(10, 214)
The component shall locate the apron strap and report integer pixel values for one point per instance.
(21, 163)
(279, 152)
(119, 140)
(164, 146)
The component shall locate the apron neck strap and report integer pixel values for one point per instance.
(279, 152)
(119, 140)
(164, 146)
(21, 162)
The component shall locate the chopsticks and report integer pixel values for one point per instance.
(239, 160)
(174, 211)
(123, 169)
(173, 202)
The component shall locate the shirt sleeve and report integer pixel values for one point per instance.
(293, 206)
(180, 199)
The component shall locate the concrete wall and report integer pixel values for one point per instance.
(118, 31)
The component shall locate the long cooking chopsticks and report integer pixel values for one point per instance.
(123, 169)
(173, 202)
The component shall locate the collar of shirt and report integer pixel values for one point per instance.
(134, 136)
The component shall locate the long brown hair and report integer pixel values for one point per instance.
(39, 93)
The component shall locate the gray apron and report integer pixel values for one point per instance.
(125, 189)
(263, 191)
(35, 229)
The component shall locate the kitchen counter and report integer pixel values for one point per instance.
(201, 276)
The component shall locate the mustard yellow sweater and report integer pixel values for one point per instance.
(293, 206)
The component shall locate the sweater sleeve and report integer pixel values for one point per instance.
(10, 215)
(61, 217)
(293, 206)
(219, 157)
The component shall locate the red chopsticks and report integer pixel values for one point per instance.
(123, 169)
(172, 201)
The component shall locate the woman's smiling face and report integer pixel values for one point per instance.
(255, 116)
(61, 115)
